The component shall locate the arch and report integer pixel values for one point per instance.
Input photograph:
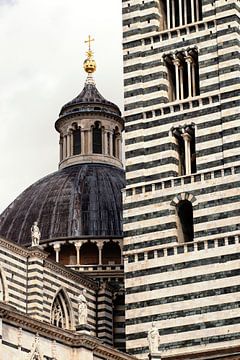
(97, 138)
(68, 254)
(3, 286)
(61, 310)
(184, 196)
(89, 254)
(111, 253)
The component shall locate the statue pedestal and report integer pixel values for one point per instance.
(155, 356)
(83, 329)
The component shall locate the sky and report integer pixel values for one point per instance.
(41, 54)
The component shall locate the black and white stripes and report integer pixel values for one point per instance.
(190, 290)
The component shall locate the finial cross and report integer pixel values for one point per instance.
(89, 40)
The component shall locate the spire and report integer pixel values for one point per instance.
(89, 64)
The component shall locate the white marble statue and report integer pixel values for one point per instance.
(153, 339)
(82, 308)
(35, 233)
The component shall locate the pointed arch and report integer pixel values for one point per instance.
(3, 286)
(61, 310)
(35, 353)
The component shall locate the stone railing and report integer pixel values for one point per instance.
(177, 249)
(182, 180)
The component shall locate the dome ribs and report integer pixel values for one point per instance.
(79, 200)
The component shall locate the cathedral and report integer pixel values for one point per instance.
(137, 258)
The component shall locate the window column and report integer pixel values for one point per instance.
(168, 15)
(177, 64)
(83, 141)
(61, 148)
(180, 12)
(69, 144)
(64, 146)
(187, 141)
(189, 61)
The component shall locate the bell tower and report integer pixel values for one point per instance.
(181, 205)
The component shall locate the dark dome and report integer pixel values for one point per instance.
(90, 99)
(76, 201)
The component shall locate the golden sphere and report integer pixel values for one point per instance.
(89, 66)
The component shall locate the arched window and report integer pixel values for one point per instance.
(89, 254)
(76, 141)
(111, 253)
(61, 314)
(97, 138)
(185, 221)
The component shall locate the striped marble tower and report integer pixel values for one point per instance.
(182, 200)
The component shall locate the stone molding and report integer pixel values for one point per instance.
(67, 337)
(17, 249)
(70, 274)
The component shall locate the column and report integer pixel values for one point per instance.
(176, 63)
(111, 143)
(78, 245)
(64, 146)
(173, 14)
(89, 142)
(61, 148)
(100, 246)
(119, 148)
(82, 141)
(192, 11)
(105, 148)
(185, 12)
(181, 82)
(168, 15)
(187, 141)
(57, 248)
(197, 10)
(68, 144)
(193, 79)
(71, 143)
(189, 65)
(180, 12)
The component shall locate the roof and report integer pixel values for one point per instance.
(77, 201)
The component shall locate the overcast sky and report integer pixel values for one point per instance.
(42, 51)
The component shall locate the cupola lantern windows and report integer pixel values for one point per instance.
(97, 138)
(76, 140)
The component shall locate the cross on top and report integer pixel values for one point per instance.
(89, 40)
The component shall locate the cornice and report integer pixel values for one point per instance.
(70, 274)
(67, 337)
(10, 245)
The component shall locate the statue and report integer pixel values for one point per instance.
(35, 233)
(153, 339)
(82, 308)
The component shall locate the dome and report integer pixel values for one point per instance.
(77, 201)
(90, 99)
